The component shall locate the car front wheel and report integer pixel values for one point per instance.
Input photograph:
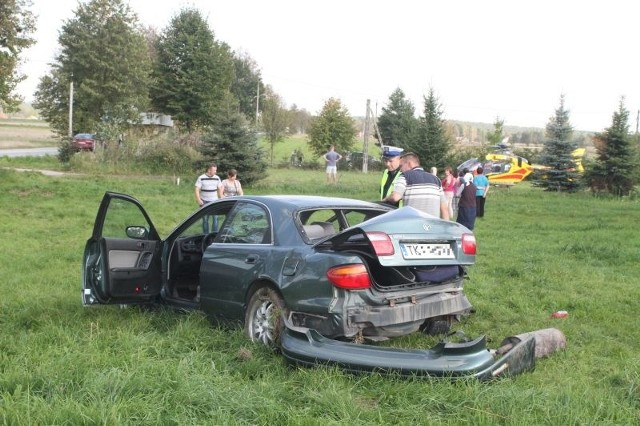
(263, 319)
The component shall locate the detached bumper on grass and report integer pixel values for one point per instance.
(306, 347)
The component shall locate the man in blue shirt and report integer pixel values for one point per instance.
(332, 158)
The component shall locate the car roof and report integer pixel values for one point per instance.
(299, 202)
(84, 135)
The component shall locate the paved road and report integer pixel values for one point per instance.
(28, 152)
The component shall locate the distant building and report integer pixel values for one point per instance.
(155, 119)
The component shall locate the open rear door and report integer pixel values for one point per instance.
(122, 259)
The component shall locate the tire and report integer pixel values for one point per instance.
(263, 318)
(437, 326)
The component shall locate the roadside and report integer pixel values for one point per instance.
(29, 152)
(44, 172)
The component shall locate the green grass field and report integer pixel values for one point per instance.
(538, 252)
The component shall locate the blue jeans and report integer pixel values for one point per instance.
(205, 221)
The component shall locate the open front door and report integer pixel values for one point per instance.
(121, 262)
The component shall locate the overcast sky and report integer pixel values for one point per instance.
(484, 59)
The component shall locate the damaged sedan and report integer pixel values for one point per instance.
(313, 276)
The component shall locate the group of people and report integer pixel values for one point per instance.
(405, 182)
(209, 186)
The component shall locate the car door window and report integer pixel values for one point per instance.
(247, 224)
(122, 215)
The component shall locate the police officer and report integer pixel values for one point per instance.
(391, 159)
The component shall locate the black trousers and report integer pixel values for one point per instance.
(480, 206)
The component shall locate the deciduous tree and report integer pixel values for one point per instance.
(275, 119)
(103, 52)
(299, 120)
(333, 126)
(247, 86)
(17, 25)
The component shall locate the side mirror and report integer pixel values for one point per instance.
(137, 232)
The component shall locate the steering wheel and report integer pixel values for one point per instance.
(207, 239)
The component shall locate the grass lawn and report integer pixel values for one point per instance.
(538, 252)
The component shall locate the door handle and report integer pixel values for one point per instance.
(251, 259)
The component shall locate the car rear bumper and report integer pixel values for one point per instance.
(306, 347)
(436, 305)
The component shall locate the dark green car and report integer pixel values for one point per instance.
(307, 274)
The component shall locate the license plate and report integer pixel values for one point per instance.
(426, 251)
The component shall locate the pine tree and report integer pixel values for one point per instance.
(334, 126)
(616, 165)
(432, 143)
(497, 136)
(559, 172)
(232, 144)
(397, 122)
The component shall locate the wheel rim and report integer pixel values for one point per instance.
(262, 327)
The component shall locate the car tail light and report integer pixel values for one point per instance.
(381, 243)
(349, 277)
(469, 244)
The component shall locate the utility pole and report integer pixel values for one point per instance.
(257, 103)
(71, 107)
(365, 147)
(637, 121)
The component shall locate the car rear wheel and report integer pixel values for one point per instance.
(437, 326)
(263, 319)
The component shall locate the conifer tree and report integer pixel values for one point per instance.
(193, 73)
(232, 144)
(616, 165)
(397, 123)
(497, 136)
(432, 143)
(559, 172)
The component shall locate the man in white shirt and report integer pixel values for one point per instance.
(419, 189)
(206, 190)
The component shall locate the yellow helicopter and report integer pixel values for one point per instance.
(502, 167)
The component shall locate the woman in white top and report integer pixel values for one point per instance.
(230, 187)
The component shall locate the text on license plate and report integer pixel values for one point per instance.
(426, 251)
